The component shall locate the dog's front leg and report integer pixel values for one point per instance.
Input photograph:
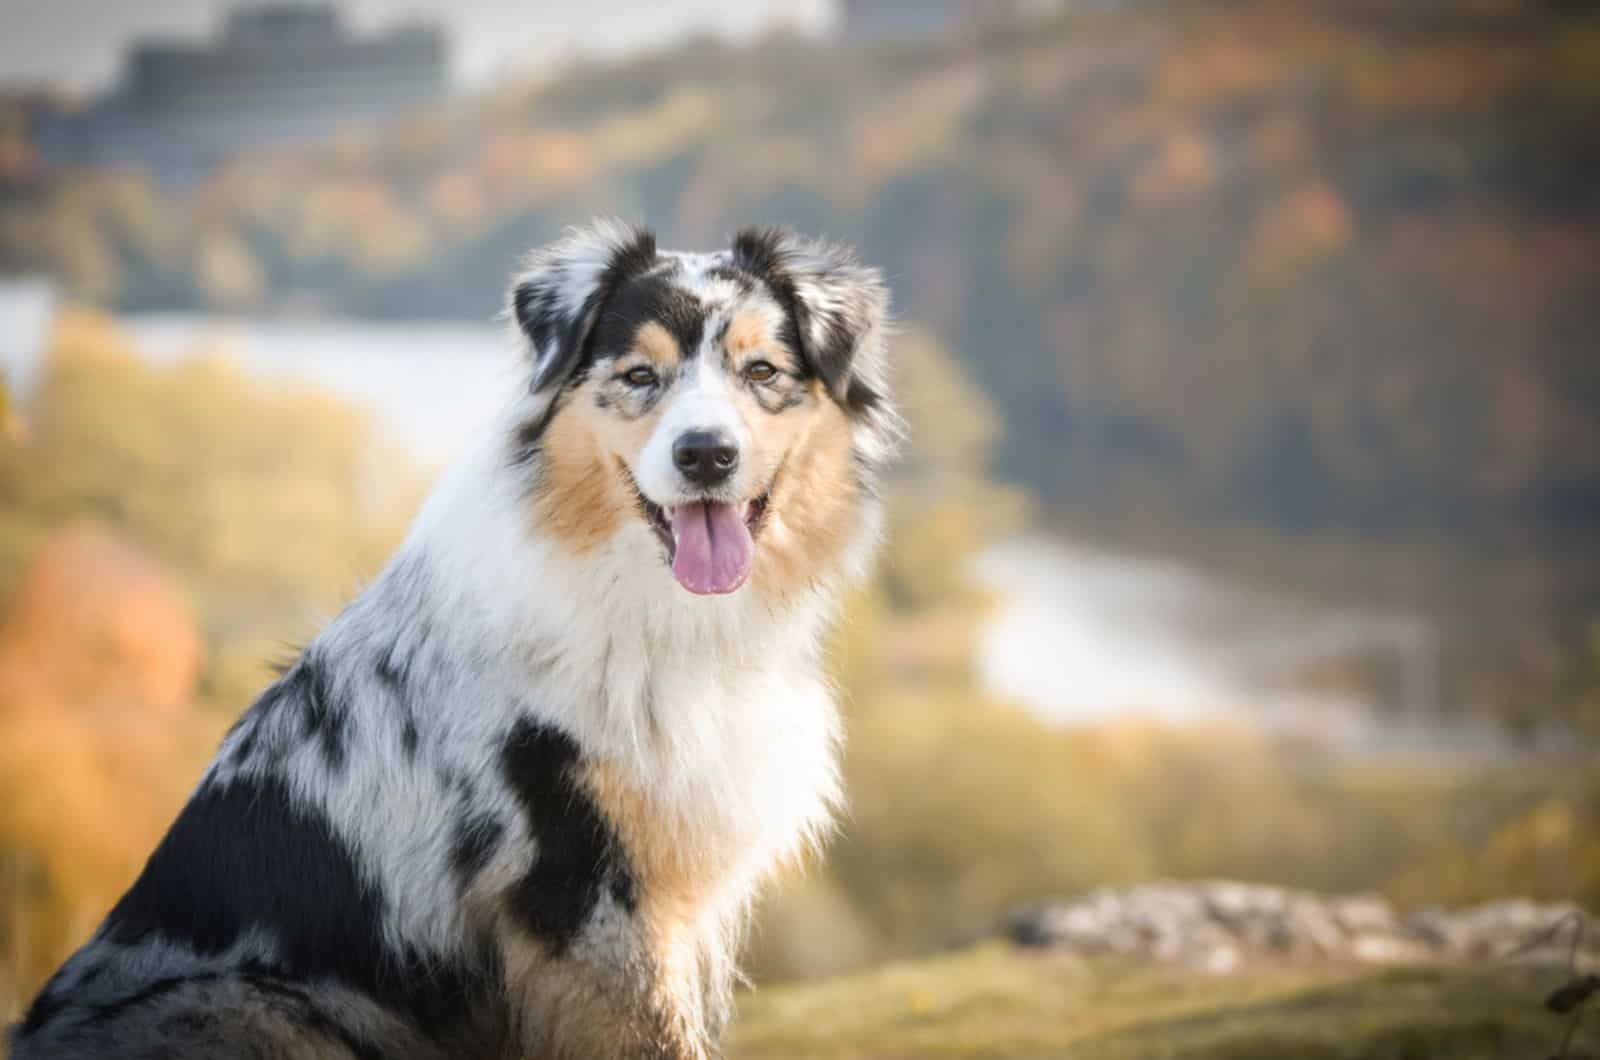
(574, 1008)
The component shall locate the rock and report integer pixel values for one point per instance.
(1219, 926)
(1364, 914)
(1389, 949)
(1435, 928)
(1500, 930)
(1220, 960)
(1314, 927)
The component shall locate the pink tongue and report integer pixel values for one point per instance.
(713, 547)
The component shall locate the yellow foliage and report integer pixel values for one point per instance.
(211, 473)
(98, 659)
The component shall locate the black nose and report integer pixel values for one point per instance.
(706, 458)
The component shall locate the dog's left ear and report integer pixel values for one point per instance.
(557, 297)
(838, 308)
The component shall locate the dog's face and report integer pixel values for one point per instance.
(731, 404)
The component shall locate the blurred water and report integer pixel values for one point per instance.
(428, 385)
(27, 310)
(1085, 635)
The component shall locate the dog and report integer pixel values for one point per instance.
(516, 799)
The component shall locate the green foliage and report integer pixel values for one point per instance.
(998, 1003)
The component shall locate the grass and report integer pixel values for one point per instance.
(998, 1003)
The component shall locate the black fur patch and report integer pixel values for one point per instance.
(579, 857)
(861, 397)
(248, 855)
(323, 716)
(151, 991)
(278, 694)
(652, 297)
(528, 436)
(759, 253)
(246, 745)
(393, 669)
(762, 253)
(307, 689)
(475, 838)
(394, 673)
(835, 351)
(562, 338)
(46, 1005)
(409, 737)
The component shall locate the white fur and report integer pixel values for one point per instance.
(702, 401)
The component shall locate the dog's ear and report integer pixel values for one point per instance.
(556, 298)
(837, 307)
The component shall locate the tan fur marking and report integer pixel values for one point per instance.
(582, 496)
(748, 332)
(656, 342)
(677, 870)
(572, 1009)
(676, 866)
(588, 1007)
(812, 513)
(579, 497)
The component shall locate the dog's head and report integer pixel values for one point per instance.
(725, 412)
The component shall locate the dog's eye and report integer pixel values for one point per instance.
(640, 376)
(760, 371)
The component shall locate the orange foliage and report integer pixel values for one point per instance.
(94, 619)
(99, 655)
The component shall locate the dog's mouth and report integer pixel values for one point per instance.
(709, 543)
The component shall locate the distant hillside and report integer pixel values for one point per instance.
(1309, 288)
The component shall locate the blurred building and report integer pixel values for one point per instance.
(283, 74)
(881, 20)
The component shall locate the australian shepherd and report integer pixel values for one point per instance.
(516, 799)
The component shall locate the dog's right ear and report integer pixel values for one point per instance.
(557, 296)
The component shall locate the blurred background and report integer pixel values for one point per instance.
(1250, 350)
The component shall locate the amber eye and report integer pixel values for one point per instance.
(640, 376)
(760, 371)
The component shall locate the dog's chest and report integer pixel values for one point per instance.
(733, 777)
